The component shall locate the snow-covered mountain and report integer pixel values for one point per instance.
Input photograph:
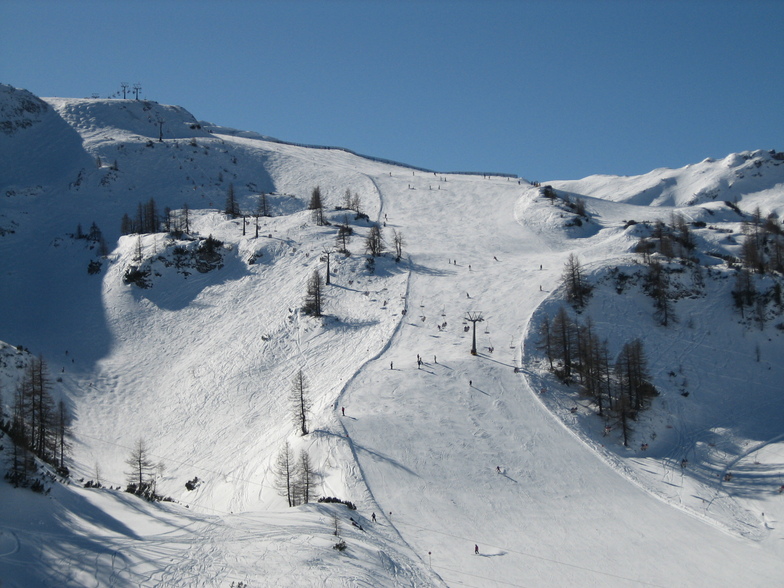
(152, 339)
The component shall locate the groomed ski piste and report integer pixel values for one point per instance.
(456, 452)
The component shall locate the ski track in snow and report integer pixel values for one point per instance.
(201, 367)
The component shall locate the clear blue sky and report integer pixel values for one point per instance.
(544, 89)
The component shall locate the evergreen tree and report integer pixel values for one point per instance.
(95, 233)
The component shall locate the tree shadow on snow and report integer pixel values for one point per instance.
(381, 457)
(430, 271)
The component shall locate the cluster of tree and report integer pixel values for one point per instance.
(762, 249)
(577, 206)
(576, 353)
(352, 201)
(38, 426)
(575, 284)
(671, 240)
(294, 477)
(333, 500)
(94, 235)
(374, 242)
(745, 295)
(148, 220)
(112, 166)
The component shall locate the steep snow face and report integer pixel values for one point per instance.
(19, 109)
(739, 175)
(38, 149)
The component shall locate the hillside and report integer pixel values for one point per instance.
(199, 363)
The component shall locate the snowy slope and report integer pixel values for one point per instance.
(200, 365)
(753, 176)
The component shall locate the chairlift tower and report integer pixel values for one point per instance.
(327, 251)
(474, 317)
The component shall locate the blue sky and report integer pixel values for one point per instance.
(544, 89)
